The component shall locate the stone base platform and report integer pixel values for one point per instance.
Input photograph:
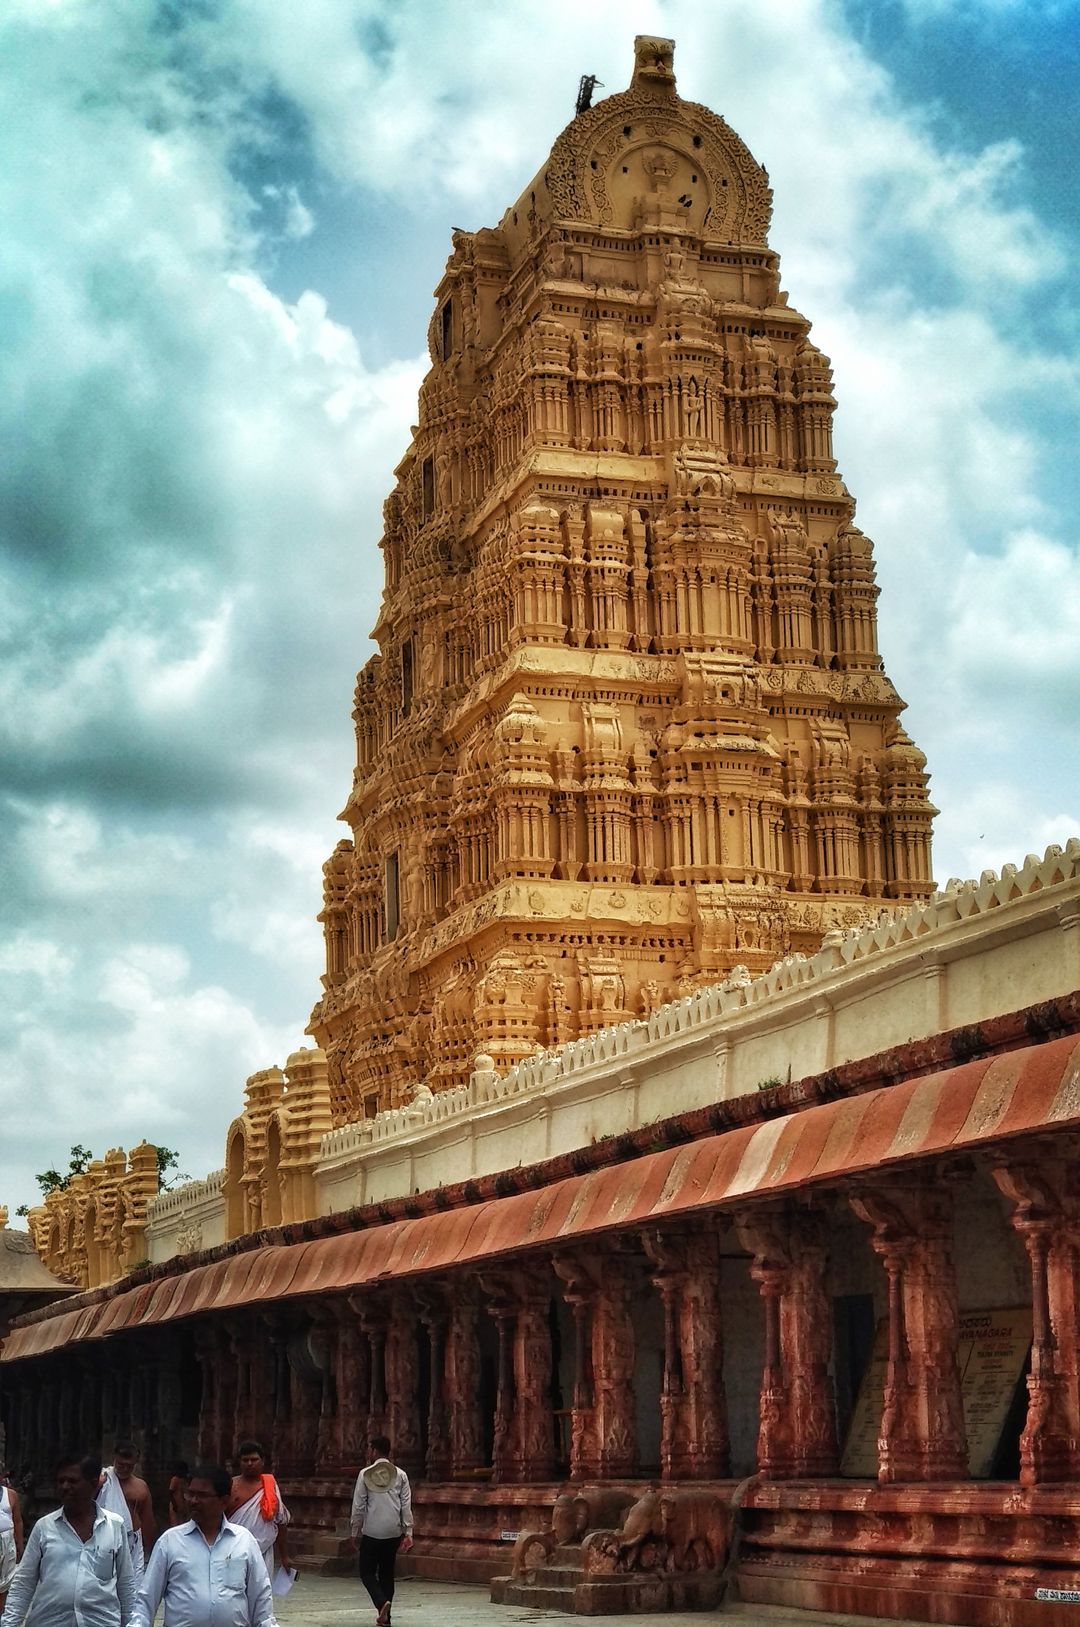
(969, 1554)
(963, 1554)
(562, 1585)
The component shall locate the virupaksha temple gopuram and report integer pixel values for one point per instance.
(687, 1187)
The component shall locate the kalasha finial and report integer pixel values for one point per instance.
(654, 63)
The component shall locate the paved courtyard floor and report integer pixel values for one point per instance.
(337, 1600)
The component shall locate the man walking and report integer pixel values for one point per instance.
(256, 1503)
(77, 1564)
(381, 1523)
(209, 1573)
(122, 1492)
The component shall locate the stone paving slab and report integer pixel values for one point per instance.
(316, 1600)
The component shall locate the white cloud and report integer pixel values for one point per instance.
(198, 464)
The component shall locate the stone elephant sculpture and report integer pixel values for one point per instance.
(696, 1528)
(640, 1528)
(600, 1508)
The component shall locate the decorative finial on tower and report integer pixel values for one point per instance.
(585, 90)
(654, 63)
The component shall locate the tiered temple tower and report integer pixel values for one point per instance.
(628, 726)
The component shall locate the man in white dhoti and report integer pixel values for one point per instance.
(122, 1492)
(256, 1503)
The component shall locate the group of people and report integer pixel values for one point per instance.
(99, 1560)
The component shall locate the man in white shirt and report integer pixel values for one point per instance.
(209, 1573)
(76, 1567)
(381, 1523)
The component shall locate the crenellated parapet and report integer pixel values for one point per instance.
(92, 1230)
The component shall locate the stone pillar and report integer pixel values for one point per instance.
(797, 1434)
(281, 1389)
(373, 1321)
(501, 1457)
(693, 1407)
(1036, 1181)
(922, 1434)
(353, 1383)
(306, 1386)
(463, 1381)
(434, 1316)
(402, 1378)
(322, 1343)
(206, 1353)
(524, 1423)
(534, 1427)
(603, 1438)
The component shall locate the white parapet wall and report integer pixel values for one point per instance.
(974, 951)
(189, 1218)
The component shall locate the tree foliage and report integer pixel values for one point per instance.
(79, 1159)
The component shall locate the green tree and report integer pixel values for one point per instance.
(169, 1174)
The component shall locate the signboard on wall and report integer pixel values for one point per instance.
(993, 1349)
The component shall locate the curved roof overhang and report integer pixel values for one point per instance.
(963, 1109)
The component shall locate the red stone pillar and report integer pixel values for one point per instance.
(434, 1315)
(534, 1426)
(922, 1434)
(1045, 1219)
(584, 1452)
(797, 1434)
(210, 1426)
(463, 1381)
(353, 1383)
(604, 1436)
(502, 1449)
(693, 1406)
(402, 1384)
(373, 1322)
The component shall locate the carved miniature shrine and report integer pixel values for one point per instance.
(628, 725)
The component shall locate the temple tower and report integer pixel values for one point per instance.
(628, 725)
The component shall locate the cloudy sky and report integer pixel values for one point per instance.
(220, 224)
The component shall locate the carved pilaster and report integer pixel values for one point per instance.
(402, 1384)
(1044, 1215)
(922, 1434)
(797, 1433)
(693, 1408)
(434, 1315)
(603, 1436)
(463, 1381)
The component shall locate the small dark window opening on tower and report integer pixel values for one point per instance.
(391, 897)
(406, 676)
(428, 496)
(447, 318)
